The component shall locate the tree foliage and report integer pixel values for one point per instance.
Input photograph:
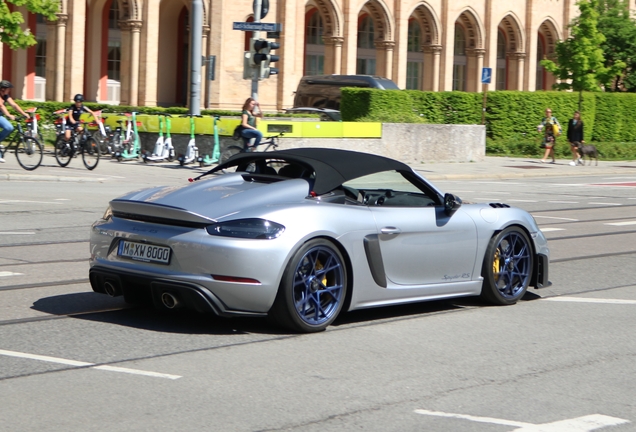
(618, 26)
(11, 32)
(580, 64)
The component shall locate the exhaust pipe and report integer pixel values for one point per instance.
(169, 300)
(111, 289)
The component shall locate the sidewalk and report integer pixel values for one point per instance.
(490, 168)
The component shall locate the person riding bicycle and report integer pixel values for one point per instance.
(248, 122)
(75, 112)
(5, 124)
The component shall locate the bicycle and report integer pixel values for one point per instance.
(82, 142)
(28, 149)
(270, 142)
(107, 139)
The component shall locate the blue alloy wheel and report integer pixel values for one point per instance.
(313, 289)
(507, 268)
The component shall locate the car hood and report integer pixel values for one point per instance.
(211, 199)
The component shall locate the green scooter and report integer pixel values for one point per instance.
(208, 160)
(132, 146)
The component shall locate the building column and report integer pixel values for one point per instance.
(60, 44)
(432, 56)
(350, 43)
(384, 58)
(475, 62)
(516, 62)
(130, 38)
(333, 54)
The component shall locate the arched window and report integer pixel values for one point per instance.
(459, 59)
(501, 61)
(414, 58)
(366, 46)
(113, 62)
(314, 44)
(540, 77)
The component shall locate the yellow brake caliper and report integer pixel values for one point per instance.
(495, 265)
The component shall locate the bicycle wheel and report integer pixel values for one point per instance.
(229, 152)
(63, 151)
(29, 153)
(90, 153)
(102, 141)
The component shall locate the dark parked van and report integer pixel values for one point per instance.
(323, 91)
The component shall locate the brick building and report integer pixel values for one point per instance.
(135, 52)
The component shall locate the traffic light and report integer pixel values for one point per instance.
(262, 57)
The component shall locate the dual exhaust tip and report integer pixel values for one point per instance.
(169, 300)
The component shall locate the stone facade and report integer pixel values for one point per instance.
(136, 51)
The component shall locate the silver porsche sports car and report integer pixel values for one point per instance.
(302, 235)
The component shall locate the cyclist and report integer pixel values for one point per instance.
(75, 111)
(5, 124)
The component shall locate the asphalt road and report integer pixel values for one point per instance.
(563, 359)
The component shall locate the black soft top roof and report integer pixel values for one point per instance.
(331, 167)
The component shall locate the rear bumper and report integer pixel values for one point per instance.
(541, 267)
(141, 288)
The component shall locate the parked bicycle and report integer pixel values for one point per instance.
(107, 138)
(28, 149)
(81, 142)
(270, 143)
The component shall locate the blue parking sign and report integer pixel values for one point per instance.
(486, 75)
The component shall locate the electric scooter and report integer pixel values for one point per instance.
(192, 151)
(163, 147)
(133, 146)
(208, 160)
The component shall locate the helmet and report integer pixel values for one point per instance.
(78, 98)
(5, 84)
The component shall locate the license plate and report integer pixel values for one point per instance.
(144, 252)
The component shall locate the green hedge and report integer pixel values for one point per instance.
(608, 117)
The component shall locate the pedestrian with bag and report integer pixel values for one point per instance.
(248, 123)
(551, 129)
(575, 137)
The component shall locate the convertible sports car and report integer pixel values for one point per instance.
(301, 235)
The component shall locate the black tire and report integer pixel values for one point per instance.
(313, 289)
(507, 267)
(229, 152)
(90, 153)
(63, 151)
(115, 144)
(102, 141)
(29, 153)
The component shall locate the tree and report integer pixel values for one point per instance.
(619, 28)
(580, 62)
(11, 33)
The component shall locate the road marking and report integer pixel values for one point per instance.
(552, 217)
(8, 273)
(84, 364)
(563, 202)
(551, 229)
(589, 300)
(579, 424)
(605, 203)
(29, 202)
(16, 233)
(621, 223)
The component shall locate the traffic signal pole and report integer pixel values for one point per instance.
(196, 34)
(256, 35)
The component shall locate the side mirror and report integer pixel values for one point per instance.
(451, 203)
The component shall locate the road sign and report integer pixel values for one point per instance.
(257, 26)
(486, 75)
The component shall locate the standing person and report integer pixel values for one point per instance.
(575, 137)
(75, 112)
(551, 128)
(5, 124)
(248, 122)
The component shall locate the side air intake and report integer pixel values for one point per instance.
(499, 205)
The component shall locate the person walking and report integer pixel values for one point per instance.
(551, 128)
(575, 137)
(5, 124)
(248, 122)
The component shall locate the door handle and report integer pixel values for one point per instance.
(390, 230)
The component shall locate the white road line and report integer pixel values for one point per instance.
(552, 217)
(84, 364)
(605, 203)
(29, 202)
(579, 424)
(589, 300)
(8, 273)
(16, 233)
(621, 223)
(551, 229)
(563, 202)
